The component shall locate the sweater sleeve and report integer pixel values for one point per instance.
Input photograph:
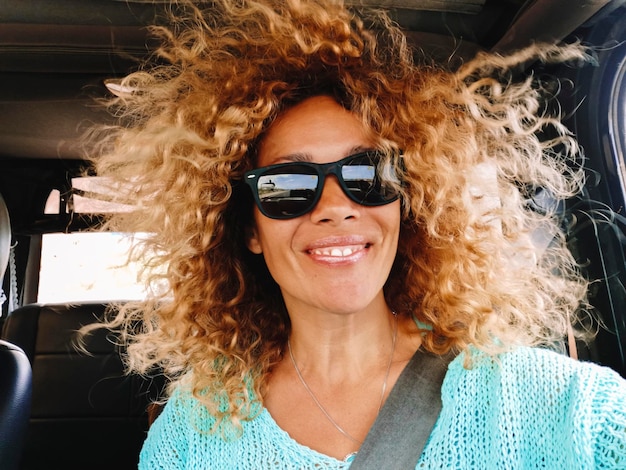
(610, 423)
(166, 446)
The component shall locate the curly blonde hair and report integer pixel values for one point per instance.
(466, 265)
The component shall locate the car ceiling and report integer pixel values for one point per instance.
(55, 54)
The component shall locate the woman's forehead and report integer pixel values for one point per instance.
(315, 126)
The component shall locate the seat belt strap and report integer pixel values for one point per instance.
(401, 430)
(13, 293)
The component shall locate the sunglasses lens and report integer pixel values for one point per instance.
(369, 181)
(288, 191)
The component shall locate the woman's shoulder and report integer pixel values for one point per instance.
(178, 406)
(184, 412)
(190, 412)
(537, 370)
(537, 383)
(531, 361)
(525, 394)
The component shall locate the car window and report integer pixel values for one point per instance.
(86, 266)
(90, 266)
(596, 222)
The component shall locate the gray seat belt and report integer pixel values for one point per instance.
(399, 434)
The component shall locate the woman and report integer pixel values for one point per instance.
(317, 199)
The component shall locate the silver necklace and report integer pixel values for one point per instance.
(317, 402)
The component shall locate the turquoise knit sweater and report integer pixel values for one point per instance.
(527, 409)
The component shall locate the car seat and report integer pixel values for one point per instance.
(86, 412)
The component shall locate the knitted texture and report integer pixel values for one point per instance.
(528, 409)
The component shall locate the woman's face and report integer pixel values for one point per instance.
(337, 257)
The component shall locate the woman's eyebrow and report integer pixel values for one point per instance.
(307, 157)
(294, 157)
(300, 157)
(359, 149)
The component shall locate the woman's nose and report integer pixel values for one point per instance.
(334, 205)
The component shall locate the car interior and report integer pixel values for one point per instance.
(75, 410)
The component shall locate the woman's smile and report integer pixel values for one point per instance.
(350, 248)
(337, 251)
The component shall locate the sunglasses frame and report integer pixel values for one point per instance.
(321, 170)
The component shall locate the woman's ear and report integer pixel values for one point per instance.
(252, 240)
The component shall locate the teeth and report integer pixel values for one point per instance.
(335, 252)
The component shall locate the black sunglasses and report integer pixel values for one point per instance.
(289, 190)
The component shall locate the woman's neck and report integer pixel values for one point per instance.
(342, 347)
